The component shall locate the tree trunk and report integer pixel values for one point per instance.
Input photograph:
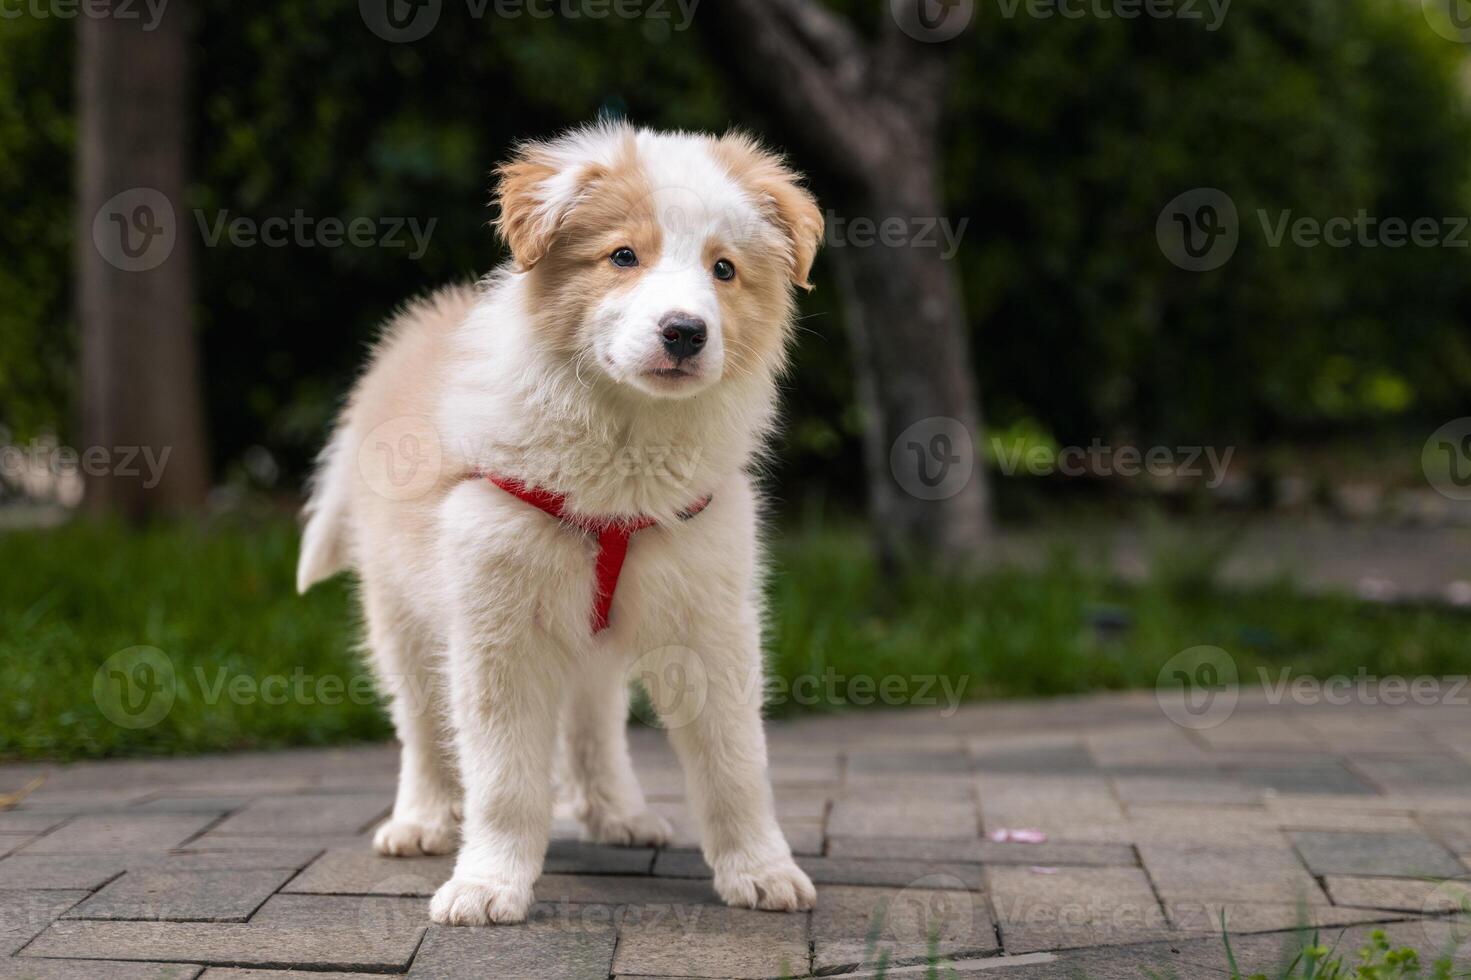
(912, 370)
(865, 114)
(143, 449)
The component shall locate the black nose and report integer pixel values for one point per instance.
(683, 335)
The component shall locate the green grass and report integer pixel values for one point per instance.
(218, 601)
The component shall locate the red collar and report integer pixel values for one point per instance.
(613, 534)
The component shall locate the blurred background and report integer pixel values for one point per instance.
(1140, 327)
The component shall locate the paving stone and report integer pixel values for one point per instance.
(1428, 773)
(1064, 758)
(1201, 825)
(576, 857)
(1296, 816)
(248, 944)
(1331, 779)
(617, 890)
(1394, 855)
(1189, 958)
(28, 822)
(1401, 894)
(230, 973)
(526, 952)
(359, 871)
(714, 941)
(381, 914)
(885, 790)
(1268, 871)
(21, 968)
(186, 896)
(346, 813)
(293, 858)
(218, 805)
(1452, 830)
(1081, 808)
(86, 872)
(1155, 789)
(917, 817)
(120, 834)
(802, 804)
(1246, 917)
(225, 843)
(24, 914)
(1074, 907)
(981, 851)
(854, 926)
(804, 836)
(840, 871)
(906, 764)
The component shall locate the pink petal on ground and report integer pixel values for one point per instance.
(1018, 835)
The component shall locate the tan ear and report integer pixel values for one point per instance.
(535, 191)
(521, 196)
(780, 195)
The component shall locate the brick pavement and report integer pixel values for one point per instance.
(258, 866)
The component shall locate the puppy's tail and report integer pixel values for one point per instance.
(324, 548)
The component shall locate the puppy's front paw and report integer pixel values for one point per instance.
(643, 829)
(410, 838)
(780, 886)
(461, 902)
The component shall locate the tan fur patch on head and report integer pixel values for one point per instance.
(755, 306)
(531, 209)
(616, 211)
(784, 201)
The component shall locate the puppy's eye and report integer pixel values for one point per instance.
(724, 270)
(624, 258)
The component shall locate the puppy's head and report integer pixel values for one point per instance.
(664, 261)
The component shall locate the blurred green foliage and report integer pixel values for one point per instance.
(1065, 138)
(257, 666)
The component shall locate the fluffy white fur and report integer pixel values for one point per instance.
(477, 605)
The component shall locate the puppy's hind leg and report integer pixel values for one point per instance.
(609, 802)
(423, 820)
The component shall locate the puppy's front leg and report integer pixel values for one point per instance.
(505, 692)
(722, 748)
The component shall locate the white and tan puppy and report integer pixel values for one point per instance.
(621, 369)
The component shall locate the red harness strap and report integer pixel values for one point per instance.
(613, 535)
